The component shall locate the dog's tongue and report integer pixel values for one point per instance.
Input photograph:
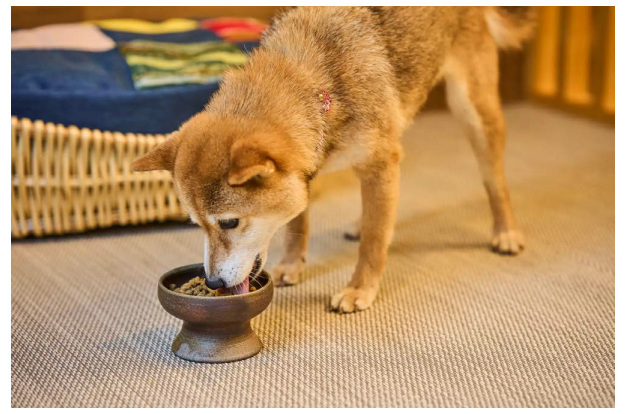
(241, 288)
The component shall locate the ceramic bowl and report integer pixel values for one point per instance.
(215, 329)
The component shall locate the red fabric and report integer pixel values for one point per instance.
(230, 23)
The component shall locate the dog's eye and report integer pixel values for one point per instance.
(229, 224)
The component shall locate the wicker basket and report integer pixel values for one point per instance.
(69, 180)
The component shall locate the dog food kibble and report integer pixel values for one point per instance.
(197, 287)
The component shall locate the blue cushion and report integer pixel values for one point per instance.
(152, 111)
(69, 70)
(191, 36)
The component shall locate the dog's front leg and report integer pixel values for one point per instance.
(296, 245)
(379, 194)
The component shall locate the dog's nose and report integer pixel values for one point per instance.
(215, 283)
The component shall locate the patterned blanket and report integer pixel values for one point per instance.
(155, 64)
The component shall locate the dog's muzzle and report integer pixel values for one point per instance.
(243, 287)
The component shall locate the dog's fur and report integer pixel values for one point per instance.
(253, 151)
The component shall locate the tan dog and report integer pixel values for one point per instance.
(330, 88)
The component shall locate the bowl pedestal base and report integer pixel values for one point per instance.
(215, 344)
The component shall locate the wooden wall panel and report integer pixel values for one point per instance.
(608, 102)
(545, 51)
(577, 53)
(571, 62)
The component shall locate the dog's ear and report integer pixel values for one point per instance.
(160, 158)
(247, 161)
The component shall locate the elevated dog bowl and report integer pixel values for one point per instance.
(215, 329)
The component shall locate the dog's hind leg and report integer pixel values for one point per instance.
(471, 74)
(294, 257)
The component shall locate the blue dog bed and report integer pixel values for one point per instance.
(95, 90)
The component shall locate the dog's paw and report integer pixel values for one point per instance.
(353, 299)
(288, 273)
(508, 242)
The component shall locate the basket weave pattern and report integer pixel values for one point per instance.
(69, 180)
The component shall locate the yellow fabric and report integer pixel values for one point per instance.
(225, 57)
(146, 27)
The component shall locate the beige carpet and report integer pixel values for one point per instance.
(454, 325)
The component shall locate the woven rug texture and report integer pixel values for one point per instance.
(454, 325)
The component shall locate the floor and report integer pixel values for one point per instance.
(454, 325)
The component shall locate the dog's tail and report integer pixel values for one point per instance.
(510, 26)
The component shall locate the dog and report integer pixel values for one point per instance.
(331, 88)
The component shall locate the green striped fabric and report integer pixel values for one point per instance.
(155, 64)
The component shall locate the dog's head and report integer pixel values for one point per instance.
(240, 180)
